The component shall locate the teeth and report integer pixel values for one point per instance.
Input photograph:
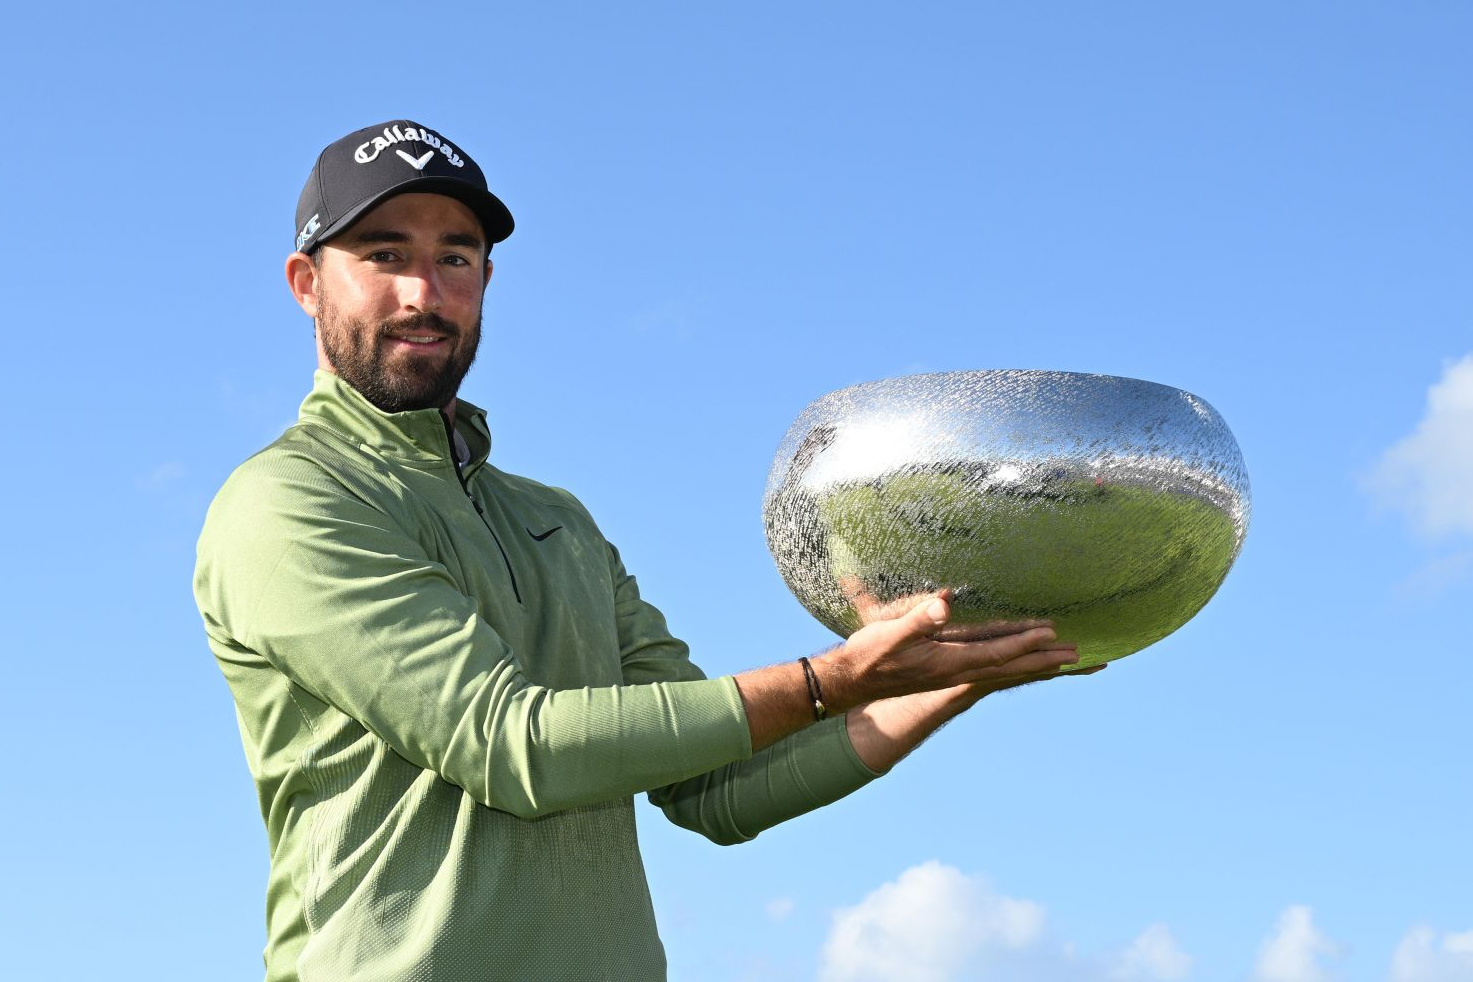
(420, 340)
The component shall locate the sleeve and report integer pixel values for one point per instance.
(734, 802)
(327, 589)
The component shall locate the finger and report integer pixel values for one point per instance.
(1000, 651)
(1008, 684)
(998, 659)
(987, 631)
(1044, 662)
(1014, 680)
(1060, 672)
(922, 620)
(1003, 683)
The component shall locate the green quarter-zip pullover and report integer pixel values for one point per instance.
(449, 689)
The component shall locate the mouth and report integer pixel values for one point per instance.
(418, 342)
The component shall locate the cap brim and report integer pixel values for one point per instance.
(494, 216)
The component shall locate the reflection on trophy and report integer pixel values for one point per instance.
(1111, 507)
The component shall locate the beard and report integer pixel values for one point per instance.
(355, 349)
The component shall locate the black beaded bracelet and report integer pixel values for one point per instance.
(820, 711)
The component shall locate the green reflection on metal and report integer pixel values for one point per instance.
(1115, 567)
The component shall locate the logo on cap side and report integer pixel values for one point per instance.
(418, 163)
(368, 152)
(308, 230)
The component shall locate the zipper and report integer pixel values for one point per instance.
(465, 486)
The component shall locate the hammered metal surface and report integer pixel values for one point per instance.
(1110, 506)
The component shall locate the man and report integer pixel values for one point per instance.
(448, 686)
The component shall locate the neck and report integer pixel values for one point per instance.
(449, 412)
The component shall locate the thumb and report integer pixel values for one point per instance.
(924, 618)
(920, 621)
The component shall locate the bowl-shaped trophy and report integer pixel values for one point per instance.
(1111, 507)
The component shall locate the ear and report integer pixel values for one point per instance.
(301, 279)
(488, 273)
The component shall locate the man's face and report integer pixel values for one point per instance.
(398, 301)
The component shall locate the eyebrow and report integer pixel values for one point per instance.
(378, 236)
(462, 239)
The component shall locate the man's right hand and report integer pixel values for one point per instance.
(898, 681)
(901, 656)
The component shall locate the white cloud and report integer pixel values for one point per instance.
(1153, 956)
(1421, 958)
(779, 908)
(1292, 953)
(926, 926)
(934, 923)
(1428, 474)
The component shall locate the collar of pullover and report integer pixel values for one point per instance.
(418, 436)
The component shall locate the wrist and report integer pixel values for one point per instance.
(815, 690)
(885, 731)
(835, 681)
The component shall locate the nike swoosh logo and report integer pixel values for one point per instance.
(418, 163)
(539, 538)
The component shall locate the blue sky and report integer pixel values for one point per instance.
(725, 211)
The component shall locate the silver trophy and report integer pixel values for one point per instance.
(1111, 507)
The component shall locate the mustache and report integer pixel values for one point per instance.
(424, 320)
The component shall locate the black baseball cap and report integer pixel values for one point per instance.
(377, 162)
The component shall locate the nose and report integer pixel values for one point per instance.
(420, 289)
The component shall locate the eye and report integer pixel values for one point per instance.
(455, 260)
(382, 256)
